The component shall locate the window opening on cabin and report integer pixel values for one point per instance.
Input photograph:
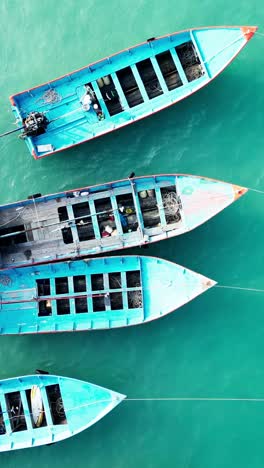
(116, 301)
(171, 203)
(79, 283)
(115, 280)
(129, 86)
(169, 70)
(81, 306)
(149, 208)
(127, 212)
(90, 100)
(56, 404)
(44, 308)
(15, 411)
(2, 422)
(83, 222)
(97, 281)
(105, 217)
(190, 61)
(134, 298)
(63, 307)
(99, 303)
(133, 279)
(20, 238)
(65, 231)
(80, 286)
(61, 285)
(41, 420)
(110, 95)
(43, 287)
(149, 78)
(113, 300)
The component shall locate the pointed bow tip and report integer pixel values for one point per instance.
(239, 191)
(119, 397)
(208, 283)
(249, 31)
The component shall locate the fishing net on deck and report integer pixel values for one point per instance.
(60, 407)
(135, 299)
(50, 96)
(170, 203)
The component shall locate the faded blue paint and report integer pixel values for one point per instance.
(71, 125)
(200, 199)
(84, 404)
(165, 287)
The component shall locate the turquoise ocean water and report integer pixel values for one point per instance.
(212, 347)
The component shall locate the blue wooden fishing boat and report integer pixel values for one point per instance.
(113, 216)
(44, 409)
(101, 293)
(124, 88)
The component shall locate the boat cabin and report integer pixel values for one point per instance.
(26, 409)
(90, 221)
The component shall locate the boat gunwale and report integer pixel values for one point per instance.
(127, 49)
(65, 192)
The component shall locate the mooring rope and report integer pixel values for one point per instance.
(259, 400)
(239, 288)
(255, 190)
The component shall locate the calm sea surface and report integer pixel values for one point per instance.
(214, 346)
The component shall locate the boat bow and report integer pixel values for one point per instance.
(219, 46)
(203, 198)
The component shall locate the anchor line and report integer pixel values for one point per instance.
(239, 288)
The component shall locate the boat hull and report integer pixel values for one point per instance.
(102, 293)
(90, 221)
(127, 86)
(68, 407)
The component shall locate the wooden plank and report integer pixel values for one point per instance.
(159, 75)
(124, 288)
(140, 83)
(94, 220)
(116, 215)
(73, 225)
(178, 66)
(137, 208)
(26, 409)
(5, 413)
(100, 99)
(46, 405)
(203, 64)
(120, 91)
(160, 207)
(106, 290)
(89, 291)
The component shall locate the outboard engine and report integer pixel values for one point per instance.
(34, 124)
